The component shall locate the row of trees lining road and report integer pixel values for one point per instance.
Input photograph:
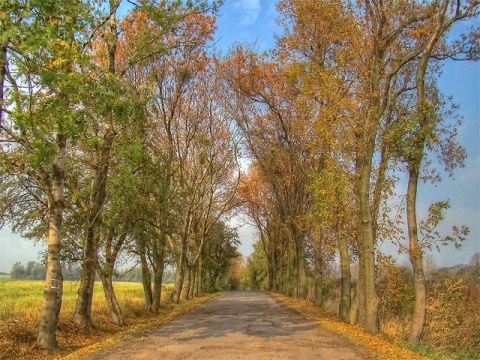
(121, 132)
(344, 106)
(114, 139)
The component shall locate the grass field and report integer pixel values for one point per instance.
(4, 277)
(21, 303)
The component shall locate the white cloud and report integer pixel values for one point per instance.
(249, 10)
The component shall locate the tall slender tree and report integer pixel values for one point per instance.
(41, 103)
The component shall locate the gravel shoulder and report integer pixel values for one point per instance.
(237, 325)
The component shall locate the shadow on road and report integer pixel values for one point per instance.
(236, 325)
(250, 313)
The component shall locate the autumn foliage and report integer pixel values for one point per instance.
(125, 137)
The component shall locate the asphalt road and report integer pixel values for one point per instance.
(237, 325)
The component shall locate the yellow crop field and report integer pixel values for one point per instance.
(21, 303)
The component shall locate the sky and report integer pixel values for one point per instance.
(254, 21)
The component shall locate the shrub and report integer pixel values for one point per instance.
(453, 316)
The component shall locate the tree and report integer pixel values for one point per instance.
(318, 40)
(475, 266)
(17, 272)
(422, 131)
(277, 128)
(41, 51)
(258, 205)
(256, 267)
(220, 254)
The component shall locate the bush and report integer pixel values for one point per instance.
(452, 322)
(453, 316)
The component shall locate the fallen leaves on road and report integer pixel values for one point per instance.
(375, 344)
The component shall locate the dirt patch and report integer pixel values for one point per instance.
(237, 325)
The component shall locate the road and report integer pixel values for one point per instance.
(237, 325)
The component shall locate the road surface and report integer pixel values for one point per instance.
(237, 325)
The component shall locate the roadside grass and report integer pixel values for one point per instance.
(377, 345)
(21, 303)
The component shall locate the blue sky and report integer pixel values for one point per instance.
(253, 21)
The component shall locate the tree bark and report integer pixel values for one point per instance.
(83, 308)
(345, 295)
(157, 284)
(416, 259)
(302, 276)
(187, 281)
(180, 270)
(53, 290)
(360, 290)
(146, 277)
(367, 296)
(354, 307)
(3, 73)
(193, 281)
(179, 277)
(113, 245)
(318, 259)
(111, 298)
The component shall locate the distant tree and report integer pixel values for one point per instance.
(256, 268)
(475, 260)
(18, 271)
(28, 269)
(219, 251)
(133, 274)
(235, 273)
(475, 265)
(38, 271)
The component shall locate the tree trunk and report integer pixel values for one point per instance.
(187, 282)
(302, 276)
(269, 249)
(318, 276)
(416, 258)
(366, 248)
(179, 277)
(146, 278)
(180, 270)
(290, 278)
(83, 308)
(158, 268)
(53, 290)
(193, 281)
(111, 298)
(3, 74)
(345, 295)
(415, 251)
(157, 285)
(360, 291)
(354, 307)
(198, 275)
(198, 284)
(112, 246)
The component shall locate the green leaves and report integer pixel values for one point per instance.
(431, 236)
